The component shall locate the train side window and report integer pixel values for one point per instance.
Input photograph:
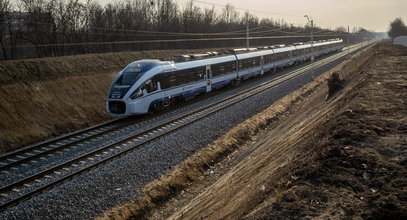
(137, 94)
(141, 91)
(229, 67)
(267, 59)
(200, 73)
(164, 80)
(222, 69)
(150, 86)
(246, 64)
(190, 76)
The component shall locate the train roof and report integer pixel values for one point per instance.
(287, 48)
(204, 62)
(171, 65)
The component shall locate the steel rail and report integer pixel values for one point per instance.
(55, 140)
(51, 149)
(19, 157)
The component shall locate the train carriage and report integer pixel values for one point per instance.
(151, 85)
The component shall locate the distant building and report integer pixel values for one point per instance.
(400, 40)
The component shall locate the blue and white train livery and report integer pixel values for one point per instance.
(151, 85)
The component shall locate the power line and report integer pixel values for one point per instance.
(245, 9)
(189, 33)
(278, 30)
(258, 11)
(162, 41)
(161, 33)
(175, 33)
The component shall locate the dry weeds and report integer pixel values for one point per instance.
(42, 98)
(169, 185)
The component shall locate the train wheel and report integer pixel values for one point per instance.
(156, 107)
(234, 83)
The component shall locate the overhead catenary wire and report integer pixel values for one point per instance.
(207, 34)
(184, 33)
(165, 41)
(162, 32)
(134, 32)
(258, 11)
(164, 35)
(245, 9)
(175, 33)
(125, 32)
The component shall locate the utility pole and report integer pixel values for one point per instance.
(247, 30)
(348, 41)
(311, 21)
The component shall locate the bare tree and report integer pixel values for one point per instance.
(397, 28)
(341, 29)
(209, 19)
(66, 27)
(230, 15)
(4, 25)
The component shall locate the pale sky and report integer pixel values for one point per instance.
(373, 15)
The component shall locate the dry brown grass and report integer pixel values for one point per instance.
(35, 111)
(41, 98)
(29, 70)
(161, 190)
(364, 137)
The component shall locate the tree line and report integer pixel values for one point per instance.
(43, 28)
(397, 28)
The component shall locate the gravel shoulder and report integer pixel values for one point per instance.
(303, 157)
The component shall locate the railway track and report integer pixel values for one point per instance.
(40, 151)
(29, 186)
(16, 158)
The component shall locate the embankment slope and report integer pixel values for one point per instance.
(341, 158)
(42, 98)
(304, 157)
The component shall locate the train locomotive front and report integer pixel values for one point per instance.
(132, 89)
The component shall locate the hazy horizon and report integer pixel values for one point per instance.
(374, 15)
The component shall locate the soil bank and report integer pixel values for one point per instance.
(305, 157)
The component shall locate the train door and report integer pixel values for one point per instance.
(237, 68)
(291, 58)
(262, 65)
(208, 77)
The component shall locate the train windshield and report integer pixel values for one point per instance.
(133, 72)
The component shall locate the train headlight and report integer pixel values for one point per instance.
(137, 94)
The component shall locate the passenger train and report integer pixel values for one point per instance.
(151, 85)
